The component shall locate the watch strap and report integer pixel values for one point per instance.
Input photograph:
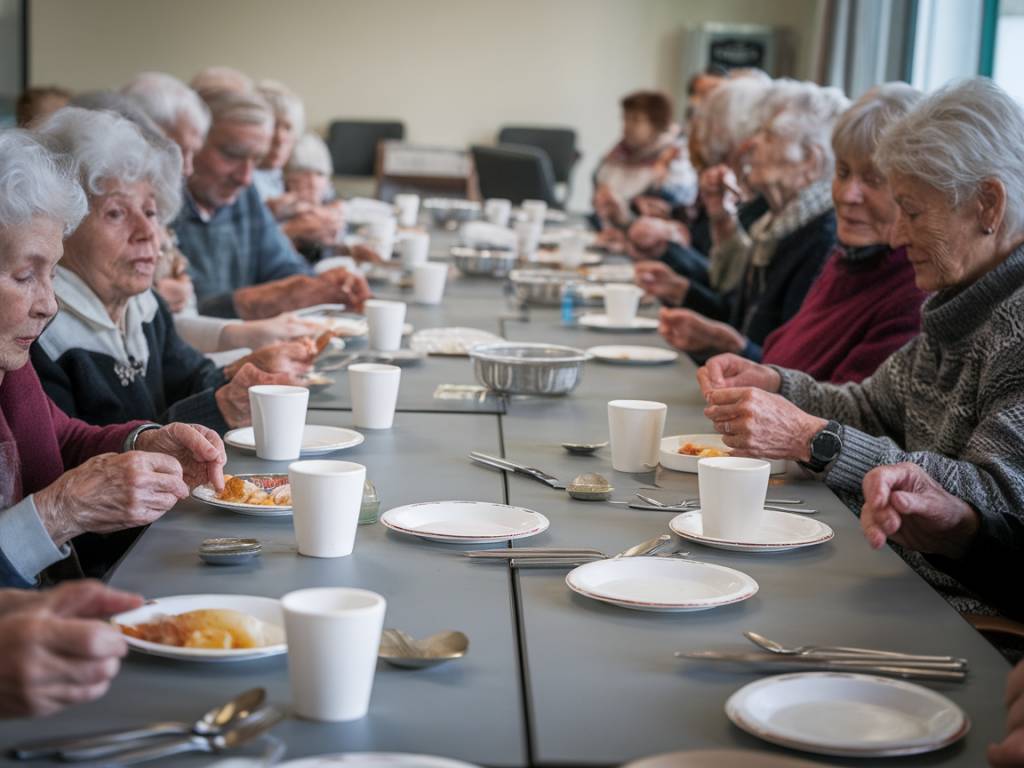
(133, 436)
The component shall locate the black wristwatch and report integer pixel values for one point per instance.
(825, 447)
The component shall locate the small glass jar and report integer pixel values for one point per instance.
(369, 510)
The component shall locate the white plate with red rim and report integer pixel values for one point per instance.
(661, 584)
(465, 522)
(376, 760)
(266, 609)
(604, 323)
(670, 457)
(626, 354)
(779, 532)
(316, 439)
(847, 715)
(207, 495)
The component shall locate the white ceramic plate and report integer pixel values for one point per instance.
(661, 584)
(266, 609)
(450, 341)
(671, 458)
(633, 355)
(376, 760)
(465, 522)
(316, 439)
(205, 493)
(779, 531)
(612, 273)
(721, 758)
(848, 715)
(554, 258)
(601, 323)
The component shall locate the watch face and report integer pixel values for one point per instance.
(826, 446)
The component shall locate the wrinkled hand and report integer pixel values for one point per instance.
(256, 302)
(904, 503)
(607, 205)
(293, 357)
(316, 225)
(656, 207)
(111, 492)
(56, 649)
(1009, 753)
(364, 253)
(352, 288)
(233, 397)
(756, 423)
(662, 282)
(648, 238)
(198, 449)
(690, 331)
(256, 334)
(611, 239)
(176, 291)
(718, 201)
(728, 371)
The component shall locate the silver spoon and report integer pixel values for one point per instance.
(583, 449)
(402, 650)
(803, 650)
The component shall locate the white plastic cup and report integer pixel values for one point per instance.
(527, 238)
(498, 211)
(732, 494)
(408, 206)
(572, 251)
(385, 320)
(535, 210)
(413, 249)
(621, 302)
(326, 497)
(381, 233)
(278, 420)
(428, 282)
(333, 640)
(634, 430)
(374, 391)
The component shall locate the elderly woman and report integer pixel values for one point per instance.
(289, 124)
(791, 165)
(62, 477)
(112, 353)
(952, 400)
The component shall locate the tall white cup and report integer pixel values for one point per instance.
(621, 302)
(278, 420)
(572, 251)
(408, 206)
(527, 238)
(413, 249)
(498, 210)
(333, 638)
(381, 233)
(634, 430)
(428, 282)
(732, 494)
(385, 320)
(326, 496)
(535, 210)
(374, 391)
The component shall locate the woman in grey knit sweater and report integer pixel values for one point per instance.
(952, 400)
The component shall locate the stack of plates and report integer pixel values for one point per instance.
(465, 522)
(779, 532)
(316, 439)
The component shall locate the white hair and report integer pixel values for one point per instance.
(34, 182)
(165, 99)
(805, 114)
(310, 154)
(730, 116)
(244, 107)
(220, 79)
(285, 103)
(858, 129)
(106, 147)
(956, 138)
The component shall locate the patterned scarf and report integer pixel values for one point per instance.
(770, 229)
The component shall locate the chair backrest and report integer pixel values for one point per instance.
(353, 144)
(559, 143)
(516, 172)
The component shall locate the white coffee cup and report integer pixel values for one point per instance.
(333, 638)
(381, 233)
(374, 391)
(732, 494)
(326, 496)
(527, 238)
(278, 420)
(385, 320)
(621, 302)
(498, 211)
(535, 210)
(413, 249)
(634, 430)
(428, 282)
(408, 206)
(572, 251)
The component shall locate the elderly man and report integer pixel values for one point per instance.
(241, 263)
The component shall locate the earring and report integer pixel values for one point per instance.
(988, 230)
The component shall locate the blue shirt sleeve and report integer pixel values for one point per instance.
(26, 548)
(275, 257)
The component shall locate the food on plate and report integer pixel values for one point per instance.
(701, 451)
(219, 628)
(323, 340)
(266, 490)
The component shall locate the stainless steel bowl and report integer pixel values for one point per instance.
(521, 368)
(449, 212)
(488, 262)
(541, 286)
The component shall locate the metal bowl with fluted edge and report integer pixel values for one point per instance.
(522, 368)
(449, 212)
(483, 262)
(541, 286)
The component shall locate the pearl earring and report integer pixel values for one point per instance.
(988, 230)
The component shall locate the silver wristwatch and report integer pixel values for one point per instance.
(133, 436)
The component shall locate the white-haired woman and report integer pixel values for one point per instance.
(952, 400)
(113, 354)
(61, 477)
(790, 164)
(289, 124)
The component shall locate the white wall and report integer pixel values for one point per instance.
(453, 70)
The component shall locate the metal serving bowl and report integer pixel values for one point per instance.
(488, 262)
(449, 212)
(521, 368)
(541, 286)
